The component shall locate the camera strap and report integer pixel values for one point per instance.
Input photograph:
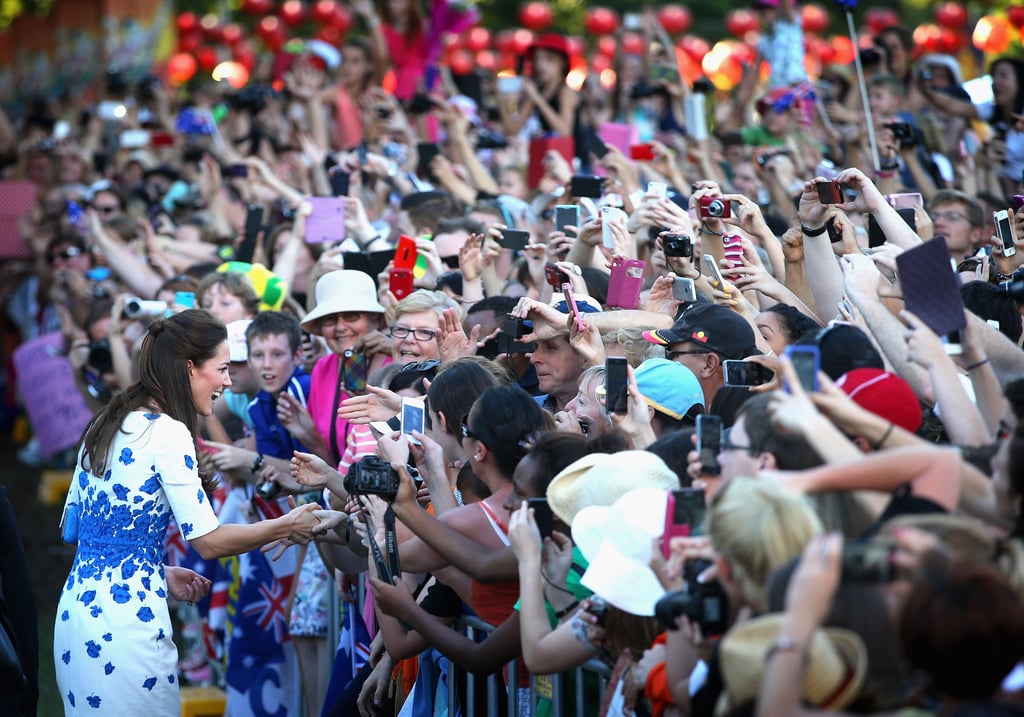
(391, 569)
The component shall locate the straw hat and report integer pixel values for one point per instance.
(338, 291)
(618, 543)
(836, 665)
(603, 478)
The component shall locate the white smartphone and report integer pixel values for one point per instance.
(412, 418)
(1004, 230)
(713, 269)
(607, 215)
(657, 189)
(684, 290)
(510, 85)
(134, 138)
(111, 111)
(695, 107)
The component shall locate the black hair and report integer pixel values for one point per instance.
(794, 323)
(843, 348)
(990, 302)
(500, 305)
(455, 388)
(674, 448)
(508, 421)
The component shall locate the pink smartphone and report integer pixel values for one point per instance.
(684, 515)
(570, 300)
(625, 283)
(732, 246)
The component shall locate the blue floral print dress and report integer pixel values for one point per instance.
(112, 642)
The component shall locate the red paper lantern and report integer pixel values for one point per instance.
(601, 21)
(633, 44)
(819, 48)
(843, 50)
(478, 39)
(487, 60)
(324, 11)
(211, 27)
(993, 34)
(341, 19)
(695, 47)
(244, 55)
(927, 37)
(536, 15)
(231, 34)
(271, 30)
(1015, 13)
(952, 15)
(575, 45)
(292, 12)
(189, 41)
(814, 18)
(329, 34)
(879, 18)
(740, 22)
(676, 19)
(207, 58)
(522, 39)
(505, 41)
(607, 46)
(257, 7)
(180, 68)
(461, 62)
(187, 21)
(600, 63)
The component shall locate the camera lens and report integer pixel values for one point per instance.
(716, 208)
(100, 357)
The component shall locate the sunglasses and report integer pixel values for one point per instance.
(421, 366)
(70, 253)
(109, 209)
(465, 430)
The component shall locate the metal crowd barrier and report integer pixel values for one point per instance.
(471, 628)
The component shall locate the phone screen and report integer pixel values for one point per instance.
(1003, 229)
(412, 417)
(709, 442)
(566, 215)
(829, 193)
(745, 373)
(514, 239)
(805, 362)
(688, 508)
(339, 182)
(616, 396)
(542, 515)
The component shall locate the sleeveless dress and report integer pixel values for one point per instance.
(112, 643)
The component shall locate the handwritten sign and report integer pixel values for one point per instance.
(55, 407)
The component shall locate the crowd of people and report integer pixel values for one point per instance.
(694, 405)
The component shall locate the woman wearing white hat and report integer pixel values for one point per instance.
(348, 316)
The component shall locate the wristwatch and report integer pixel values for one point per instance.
(258, 462)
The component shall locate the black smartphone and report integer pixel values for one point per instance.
(566, 215)
(835, 235)
(806, 363)
(597, 147)
(514, 239)
(709, 442)
(616, 394)
(426, 151)
(339, 182)
(746, 373)
(876, 237)
(684, 514)
(513, 326)
(867, 563)
(542, 516)
(583, 185)
(238, 170)
(253, 220)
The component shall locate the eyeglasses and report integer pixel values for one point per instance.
(948, 216)
(348, 317)
(671, 355)
(465, 430)
(401, 332)
(728, 445)
(420, 366)
(70, 253)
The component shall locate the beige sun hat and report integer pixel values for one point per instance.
(338, 291)
(603, 478)
(836, 663)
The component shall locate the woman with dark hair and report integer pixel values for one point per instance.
(136, 468)
(782, 324)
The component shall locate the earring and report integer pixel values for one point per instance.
(477, 456)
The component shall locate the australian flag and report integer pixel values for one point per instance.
(353, 653)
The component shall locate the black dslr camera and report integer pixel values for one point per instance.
(1015, 285)
(372, 476)
(703, 603)
(906, 134)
